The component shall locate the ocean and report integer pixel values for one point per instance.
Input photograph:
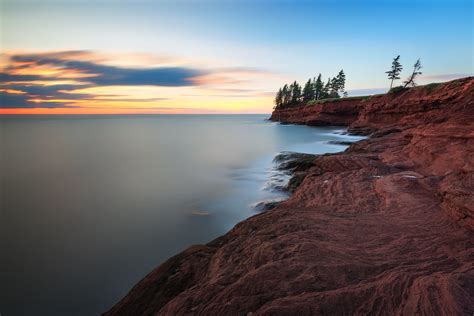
(91, 204)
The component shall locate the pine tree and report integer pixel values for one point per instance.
(416, 71)
(341, 82)
(318, 88)
(394, 73)
(334, 88)
(314, 89)
(286, 95)
(326, 90)
(308, 91)
(295, 93)
(279, 98)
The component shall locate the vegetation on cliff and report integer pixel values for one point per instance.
(314, 89)
(394, 74)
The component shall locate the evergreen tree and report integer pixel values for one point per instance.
(326, 90)
(286, 94)
(416, 71)
(314, 89)
(279, 98)
(318, 87)
(295, 92)
(308, 91)
(334, 88)
(341, 82)
(394, 73)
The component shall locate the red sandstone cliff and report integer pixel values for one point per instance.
(340, 112)
(386, 227)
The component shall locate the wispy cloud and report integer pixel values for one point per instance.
(445, 77)
(60, 65)
(83, 78)
(369, 91)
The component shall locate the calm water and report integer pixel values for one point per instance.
(90, 205)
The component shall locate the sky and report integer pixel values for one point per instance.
(126, 57)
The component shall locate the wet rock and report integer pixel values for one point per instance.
(292, 161)
(265, 205)
(340, 142)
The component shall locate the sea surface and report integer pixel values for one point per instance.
(91, 204)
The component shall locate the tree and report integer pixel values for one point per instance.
(416, 71)
(295, 92)
(318, 88)
(394, 73)
(314, 89)
(286, 94)
(334, 88)
(341, 82)
(279, 98)
(308, 91)
(326, 89)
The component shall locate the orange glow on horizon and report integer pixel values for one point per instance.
(106, 111)
(221, 90)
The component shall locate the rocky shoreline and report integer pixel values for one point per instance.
(386, 227)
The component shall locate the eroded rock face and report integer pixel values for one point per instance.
(339, 113)
(386, 227)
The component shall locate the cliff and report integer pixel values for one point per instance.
(339, 112)
(386, 227)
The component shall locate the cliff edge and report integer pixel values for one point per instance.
(386, 227)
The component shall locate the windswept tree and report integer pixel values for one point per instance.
(394, 73)
(341, 82)
(416, 71)
(334, 87)
(308, 92)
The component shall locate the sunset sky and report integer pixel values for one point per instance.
(215, 56)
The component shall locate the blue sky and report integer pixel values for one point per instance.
(271, 42)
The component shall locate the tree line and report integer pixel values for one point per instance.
(314, 89)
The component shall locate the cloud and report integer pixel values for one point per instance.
(110, 75)
(444, 77)
(71, 78)
(27, 73)
(51, 91)
(9, 101)
(6, 77)
(370, 91)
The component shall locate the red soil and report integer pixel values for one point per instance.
(386, 227)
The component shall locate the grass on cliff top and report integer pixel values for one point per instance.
(322, 101)
(432, 86)
(428, 87)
